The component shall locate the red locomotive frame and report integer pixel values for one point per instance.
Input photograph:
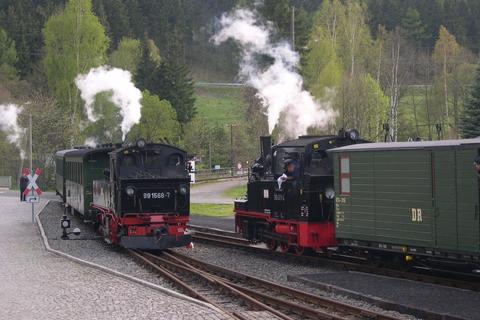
(140, 224)
(300, 235)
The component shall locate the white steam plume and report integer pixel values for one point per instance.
(9, 124)
(91, 142)
(124, 93)
(280, 87)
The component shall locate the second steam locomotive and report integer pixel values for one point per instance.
(296, 210)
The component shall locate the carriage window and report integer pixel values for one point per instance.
(345, 175)
(175, 160)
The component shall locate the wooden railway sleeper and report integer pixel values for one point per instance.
(221, 283)
(183, 286)
(323, 301)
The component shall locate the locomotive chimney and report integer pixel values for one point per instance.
(266, 145)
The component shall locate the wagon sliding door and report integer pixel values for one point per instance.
(467, 201)
(445, 189)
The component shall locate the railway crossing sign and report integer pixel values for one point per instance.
(33, 199)
(32, 184)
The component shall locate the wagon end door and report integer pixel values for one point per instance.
(467, 201)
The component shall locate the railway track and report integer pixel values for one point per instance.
(245, 297)
(219, 236)
(462, 281)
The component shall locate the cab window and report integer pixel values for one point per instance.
(175, 160)
(281, 154)
(319, 163)
(153, 159)
(129, 161)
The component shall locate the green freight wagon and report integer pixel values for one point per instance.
(80, 168)
(420, 199)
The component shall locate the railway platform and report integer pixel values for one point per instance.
(37, 284)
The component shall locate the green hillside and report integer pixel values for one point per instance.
(220, 105)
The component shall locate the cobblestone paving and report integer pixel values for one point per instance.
(90, 246)
(35, 284)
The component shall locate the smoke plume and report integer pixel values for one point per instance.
(9, 124)
(124, 93)
(279, 85)
(91, 142)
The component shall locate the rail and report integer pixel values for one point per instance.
(433, 276)
(238, 294)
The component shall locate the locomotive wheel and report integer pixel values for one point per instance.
(299, 250)
(284, 247)
(272, 245)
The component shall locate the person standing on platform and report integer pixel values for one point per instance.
(23, 186)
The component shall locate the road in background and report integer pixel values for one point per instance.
(213, 192)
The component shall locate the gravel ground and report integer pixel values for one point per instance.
(269, 268)
(461, 303)
(211, 222)
(90, 247)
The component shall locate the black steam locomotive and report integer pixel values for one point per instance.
(138, 195)
(292, 207)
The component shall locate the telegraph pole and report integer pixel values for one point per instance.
(293, 28)
(31, 162)
(210, 151)
(231, 147)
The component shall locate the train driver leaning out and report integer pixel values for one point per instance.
(292, 172)
(476, 163)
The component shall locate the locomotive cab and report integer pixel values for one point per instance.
(296, 211)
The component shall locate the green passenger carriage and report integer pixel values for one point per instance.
(76, 170)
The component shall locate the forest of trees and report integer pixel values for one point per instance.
(390, 68)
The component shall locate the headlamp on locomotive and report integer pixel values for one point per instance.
(290, 194)
(144, 203)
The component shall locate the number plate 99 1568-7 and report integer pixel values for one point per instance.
(157, 195)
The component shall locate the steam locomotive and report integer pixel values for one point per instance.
(137, 195)
(298, 213)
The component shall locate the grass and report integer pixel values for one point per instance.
(407, 126)
(236, 192)
(220, 105)
(211, 210)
